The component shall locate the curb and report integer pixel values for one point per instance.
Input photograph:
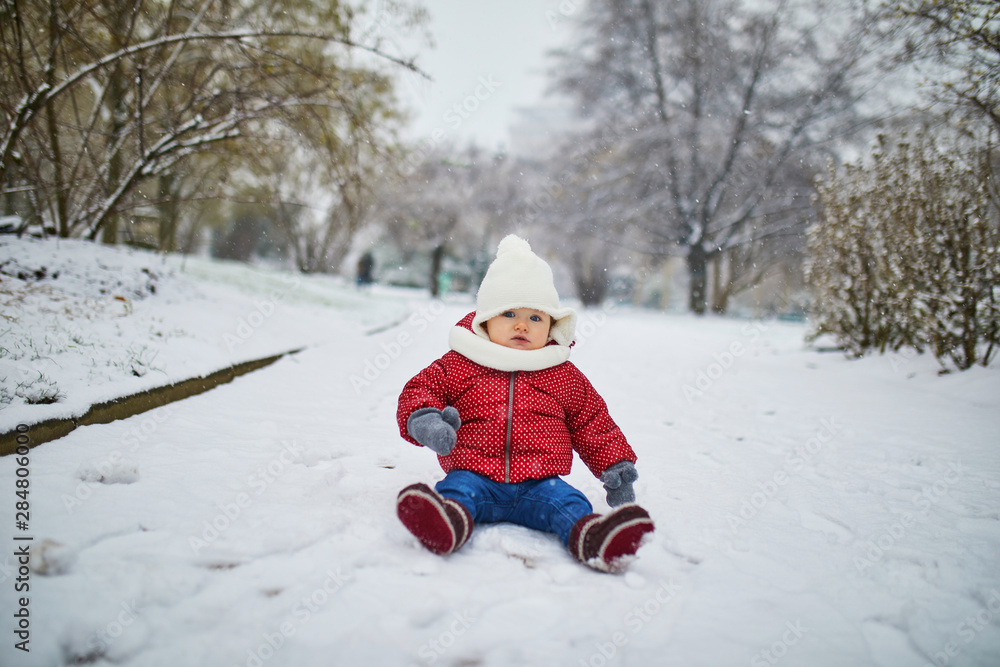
(127, 406)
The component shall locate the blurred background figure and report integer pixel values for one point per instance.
(366, 265)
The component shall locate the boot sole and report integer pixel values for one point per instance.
(423, 513)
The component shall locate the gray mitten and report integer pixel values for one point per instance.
(618, 483)
(434, 429)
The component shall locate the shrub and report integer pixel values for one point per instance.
(905, 253)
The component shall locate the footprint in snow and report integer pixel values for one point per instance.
(109, 473)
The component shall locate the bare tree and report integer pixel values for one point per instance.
(961, 38)
(322, 194)
(573, 200)
(449, 205)
(426, 207)
(721, 100)
(99, 98)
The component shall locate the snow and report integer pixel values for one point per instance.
(811, 510)
(78, 321)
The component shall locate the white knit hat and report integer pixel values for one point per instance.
(518, 278)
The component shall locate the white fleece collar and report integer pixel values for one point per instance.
(492, 355)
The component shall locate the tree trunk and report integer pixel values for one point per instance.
(167, 206)
(592, 290)
(62, 204)
(437, 256)
(697, 261)
(591, 281)
(116, 102)
(721, 287)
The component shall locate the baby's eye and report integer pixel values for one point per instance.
(508, 314)
(536, 318)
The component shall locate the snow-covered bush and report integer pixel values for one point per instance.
(6, 395)
(906, 252)
(40, 390)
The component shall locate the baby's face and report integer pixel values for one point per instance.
(520, 328)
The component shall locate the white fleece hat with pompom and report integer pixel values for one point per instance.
(518, 278)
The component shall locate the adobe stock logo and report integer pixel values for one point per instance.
(778, 649)
(461, 111)
(566, 9)
(723, 361)
(373, 367)
(635, 620)
(454, 117)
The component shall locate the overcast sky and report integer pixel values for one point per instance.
(489, 58)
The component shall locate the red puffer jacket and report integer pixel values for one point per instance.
(516, 424)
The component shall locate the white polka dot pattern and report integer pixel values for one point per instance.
(554, 411)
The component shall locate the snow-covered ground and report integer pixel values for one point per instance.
(810, 510)
(82, 323)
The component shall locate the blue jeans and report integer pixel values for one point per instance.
(549, 504)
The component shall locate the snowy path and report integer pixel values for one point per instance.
(811, 511)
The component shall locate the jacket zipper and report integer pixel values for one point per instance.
(510, 424)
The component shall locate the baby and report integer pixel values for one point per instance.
(504, 410)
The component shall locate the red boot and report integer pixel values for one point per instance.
(606, 542)
(441, 524)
